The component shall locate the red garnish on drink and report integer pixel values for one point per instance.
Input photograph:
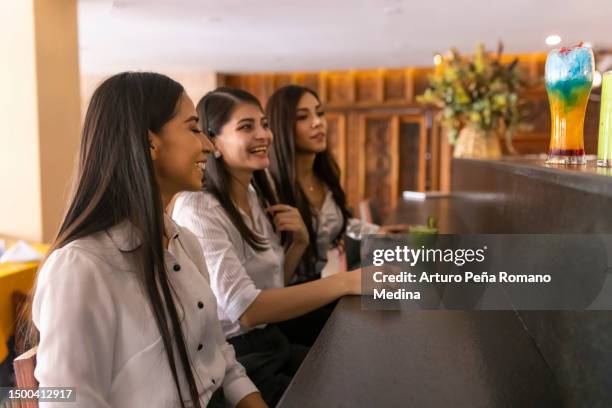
(566, 50)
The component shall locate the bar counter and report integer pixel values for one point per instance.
(444, 358)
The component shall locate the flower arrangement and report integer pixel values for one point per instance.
(480, 91)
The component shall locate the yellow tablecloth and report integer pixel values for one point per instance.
(14, 277)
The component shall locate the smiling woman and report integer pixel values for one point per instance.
(109, 305)
(252, 243)
(239, 157)
(178, 160)
(308, 177)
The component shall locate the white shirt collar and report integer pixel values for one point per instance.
(127, 238)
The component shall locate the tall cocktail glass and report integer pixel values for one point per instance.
(569, 77)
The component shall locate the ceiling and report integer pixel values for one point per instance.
(307, 35)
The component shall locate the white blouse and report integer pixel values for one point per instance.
(238, 273)
(328, 223)
(98, 334)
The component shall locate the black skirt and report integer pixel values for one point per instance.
(269, 359)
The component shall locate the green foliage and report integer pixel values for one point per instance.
(480, 91)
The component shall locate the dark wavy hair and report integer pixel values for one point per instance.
(116, 182)
(215, 110)
(281, 110)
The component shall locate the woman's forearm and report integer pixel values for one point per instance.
(279, 304)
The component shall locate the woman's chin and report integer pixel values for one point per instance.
(261, 164)
(316, 148)
(196, 185)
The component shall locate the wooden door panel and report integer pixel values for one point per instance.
(379, 160)
(412, 151)
(336, 142)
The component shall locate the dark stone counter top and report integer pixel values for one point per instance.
(587, 178)
(443, 358)
(422, 359)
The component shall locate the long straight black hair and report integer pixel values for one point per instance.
(116, 182)
(281, 110)
(215, 110)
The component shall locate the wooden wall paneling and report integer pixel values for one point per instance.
(261, 85)
(322, 89)
(394, 87)
(446, 155)
(407, 154)
(536, 68)
(398, 85)
(541, 66)
(434, 162)
(281, 80)
(535, 139)
(240, 82)
(530, 65)
(336, 142)
(340, 88)
(380, 164)
(361, 141)
(370, 86)
(253, 84)
(591, 122)
(395, 162)
(235, 81)
(297, 78)
(221, 79)
(422, 152)
(314, 81)
(269, 87)
(354, 159)
(409, 85)
(530, 142)
(420, 78)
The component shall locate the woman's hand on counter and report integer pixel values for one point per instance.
(352, 281)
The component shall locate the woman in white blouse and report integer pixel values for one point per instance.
(307, 177)
(238, 220)
(123, 304)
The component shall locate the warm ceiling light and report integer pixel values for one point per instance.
(596, 79)
(437, 59)
(553, 40)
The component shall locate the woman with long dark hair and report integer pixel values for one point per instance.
(308, 178)
(252, 242)
(122, 304)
